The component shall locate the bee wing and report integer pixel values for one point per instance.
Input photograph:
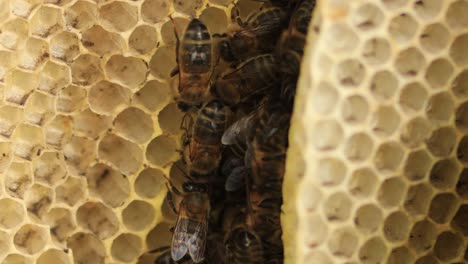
(197, 241)
(266, 28)
(235, 179)
(239, 128)
(179, 239)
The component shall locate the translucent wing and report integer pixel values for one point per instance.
(267, 27)
(179, 247)
(197, 241)
(235, 180)
(238, 129)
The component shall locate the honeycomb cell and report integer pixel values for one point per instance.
(163, 62)
(79, 152)
(343, 242)
(35, 53)
(337, 207)
(118, 15)
(155, 238)
(417, 165)
(330, 171)
(461, 117)
(368, 17)
(220, 2)
(167, 210)
(143, 39)
(343, 32)
(149, 183)
(328, 137)
(10, 117)
(383, 85)
(30, 239)
(153, 96)
(64, 46)
(97, 218)
(108, 184)
(456, 15)
(61, 223)
(368, 218)
(170, 119)
(215, 19)
(355, 109)
(14, 34)
(388, 157)
(428, 259)
(4, 11)
(403, 28)
(123, 154)
(358, 147)
(376, 51)
(161, 151)
(440, 107)
(439, 72)
(126, 247)
(5, 157)
(134, 124)
(462, 184)
(435, 38)
(394, 4)
(53, 77)
(400, 255)
(444, 174)
(16, 259)
(86, 70)
(448, 246)
(7, 63)
(81, 15)
(188, 7)
(4, 243)
(396, 226)
(462, 149)
(154, 11)
(27, 141)
(385, 120)
(310, 195)
(373, 250)
(413, 96)
(443, 207)
(324, 98)
(415, 132)
(460, 220)
(363, 183)
(410, 62)
(418, 199)
(129, 71)
(460, 85)
(107, 98)
(89, 124)
(138, 215)
(38, 200)
(39, 108)
(167, 30)
(53, 256)
(101, 41)
(58, 131)
(86, 248)
(315, 231)
(46, 21)
(70, 99)
(20, 85)
(391, 192)
(458, 50)
(442, 141)
(350, 73)
(71, 191)
(12, 213)
(23, 8)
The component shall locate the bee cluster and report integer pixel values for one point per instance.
(237, 91)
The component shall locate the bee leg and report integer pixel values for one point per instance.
(174, 71)
(217, 35)
(159, 249)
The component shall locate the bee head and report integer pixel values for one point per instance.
(184, 107)
(191, 187)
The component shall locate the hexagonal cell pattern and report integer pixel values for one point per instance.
(89, 129)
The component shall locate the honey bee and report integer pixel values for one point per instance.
(192, 222)
(203, 150)
(194, 56)
(257, 35)
(165, 257)
(252, 77)
(242, 244)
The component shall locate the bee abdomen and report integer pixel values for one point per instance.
(197, 31)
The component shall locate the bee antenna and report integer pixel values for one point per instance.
(183, 172)
(159, 249)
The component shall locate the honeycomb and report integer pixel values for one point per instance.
(89, 130)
